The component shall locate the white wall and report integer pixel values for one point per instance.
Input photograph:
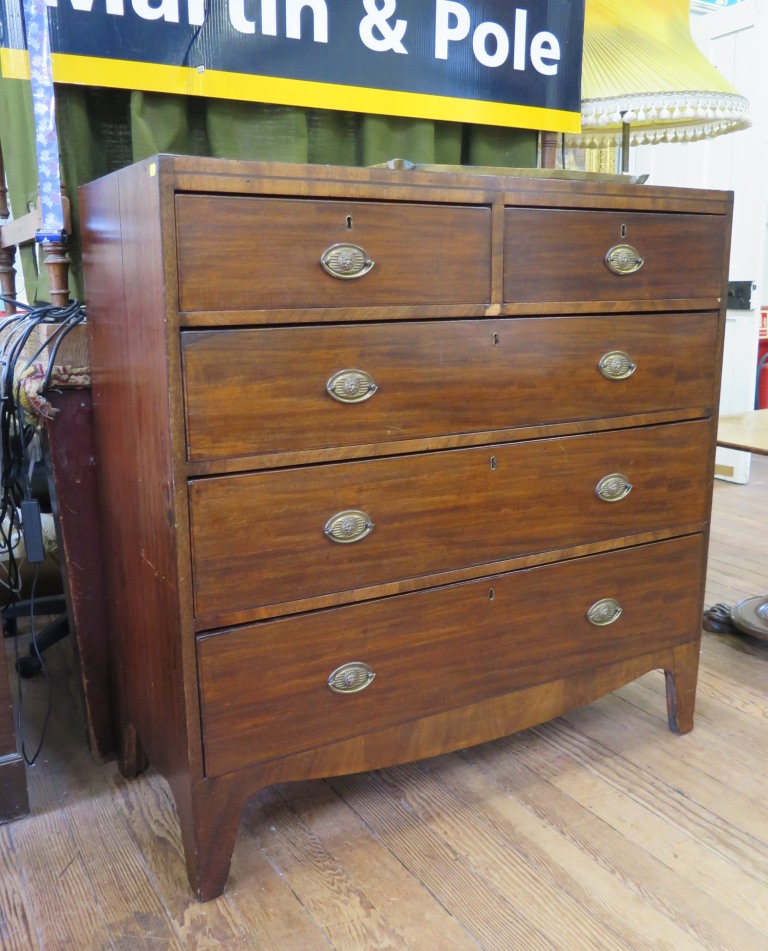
(735, 39)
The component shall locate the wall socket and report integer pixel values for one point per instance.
(740, 295)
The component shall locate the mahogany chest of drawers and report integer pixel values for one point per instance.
(392, 462)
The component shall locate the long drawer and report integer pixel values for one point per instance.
(238, 253)
(257, 391)
(264, 688)
(275, 536)
(654, 256)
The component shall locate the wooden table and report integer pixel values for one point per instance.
(749, 432)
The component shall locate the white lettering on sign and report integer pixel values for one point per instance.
(116, 7)
(545, 46)
(490, 41)
(167, 10)
(269, 17)
(238, 19)
(319, 10)
(521, 31)
(492, 44)
(480, 48)
(293, 10)
(387, 36)
(447, 32)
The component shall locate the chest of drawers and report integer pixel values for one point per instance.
(392, 462)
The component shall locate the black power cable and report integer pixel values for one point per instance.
(19, 511)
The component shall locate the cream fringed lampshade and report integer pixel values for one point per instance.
(642, 67)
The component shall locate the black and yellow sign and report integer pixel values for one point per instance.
(495, 62)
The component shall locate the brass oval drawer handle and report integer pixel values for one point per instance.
(351, 678)
(604, 612)
(623, 259)
(345, 261)
(351, 386)
(616, 365)
(348, 526)
(613, 487)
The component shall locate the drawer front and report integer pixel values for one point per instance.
(260, 539)
(238, 253)
(264, 688)
(250, 392)
(682, 255)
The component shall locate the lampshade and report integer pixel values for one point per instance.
(641, 60)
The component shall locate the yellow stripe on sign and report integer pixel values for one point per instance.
(216, 84)
(14, 64)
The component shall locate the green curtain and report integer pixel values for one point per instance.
(245, 130)
(17, 138)
(104, 129)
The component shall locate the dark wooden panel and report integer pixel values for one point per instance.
(7, 731)
(124, 265)
(14, 797)
(683, 255)
(258, 538)
(264, 391)
(71, 458)
(237, 253)
(14, 800)
(437, 649)
(519, 187)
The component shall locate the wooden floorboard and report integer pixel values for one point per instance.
(599, 830)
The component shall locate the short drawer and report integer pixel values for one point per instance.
(681, 255)
(276, 536)
(264, 688)
(241, 253)
(265, 391)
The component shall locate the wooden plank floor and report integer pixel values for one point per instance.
(600, 830)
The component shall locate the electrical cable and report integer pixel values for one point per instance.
(16, 464)
(35, 651)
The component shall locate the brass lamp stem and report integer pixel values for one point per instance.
(624, 144)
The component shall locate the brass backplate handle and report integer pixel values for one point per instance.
(345, 261)
(623, 259)
(616, 365)
(348, 526)
(351, 678)
(613, 487)
(351, 386)
(604, 612)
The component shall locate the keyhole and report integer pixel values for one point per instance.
(349, 222)
(623, 230)
(493, 463)
(495, 340)
(491, 594)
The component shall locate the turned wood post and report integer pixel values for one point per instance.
(57, 264)
(7, 255)
(24, 230)
(5, 211)
(8, 279)
(548, 142)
